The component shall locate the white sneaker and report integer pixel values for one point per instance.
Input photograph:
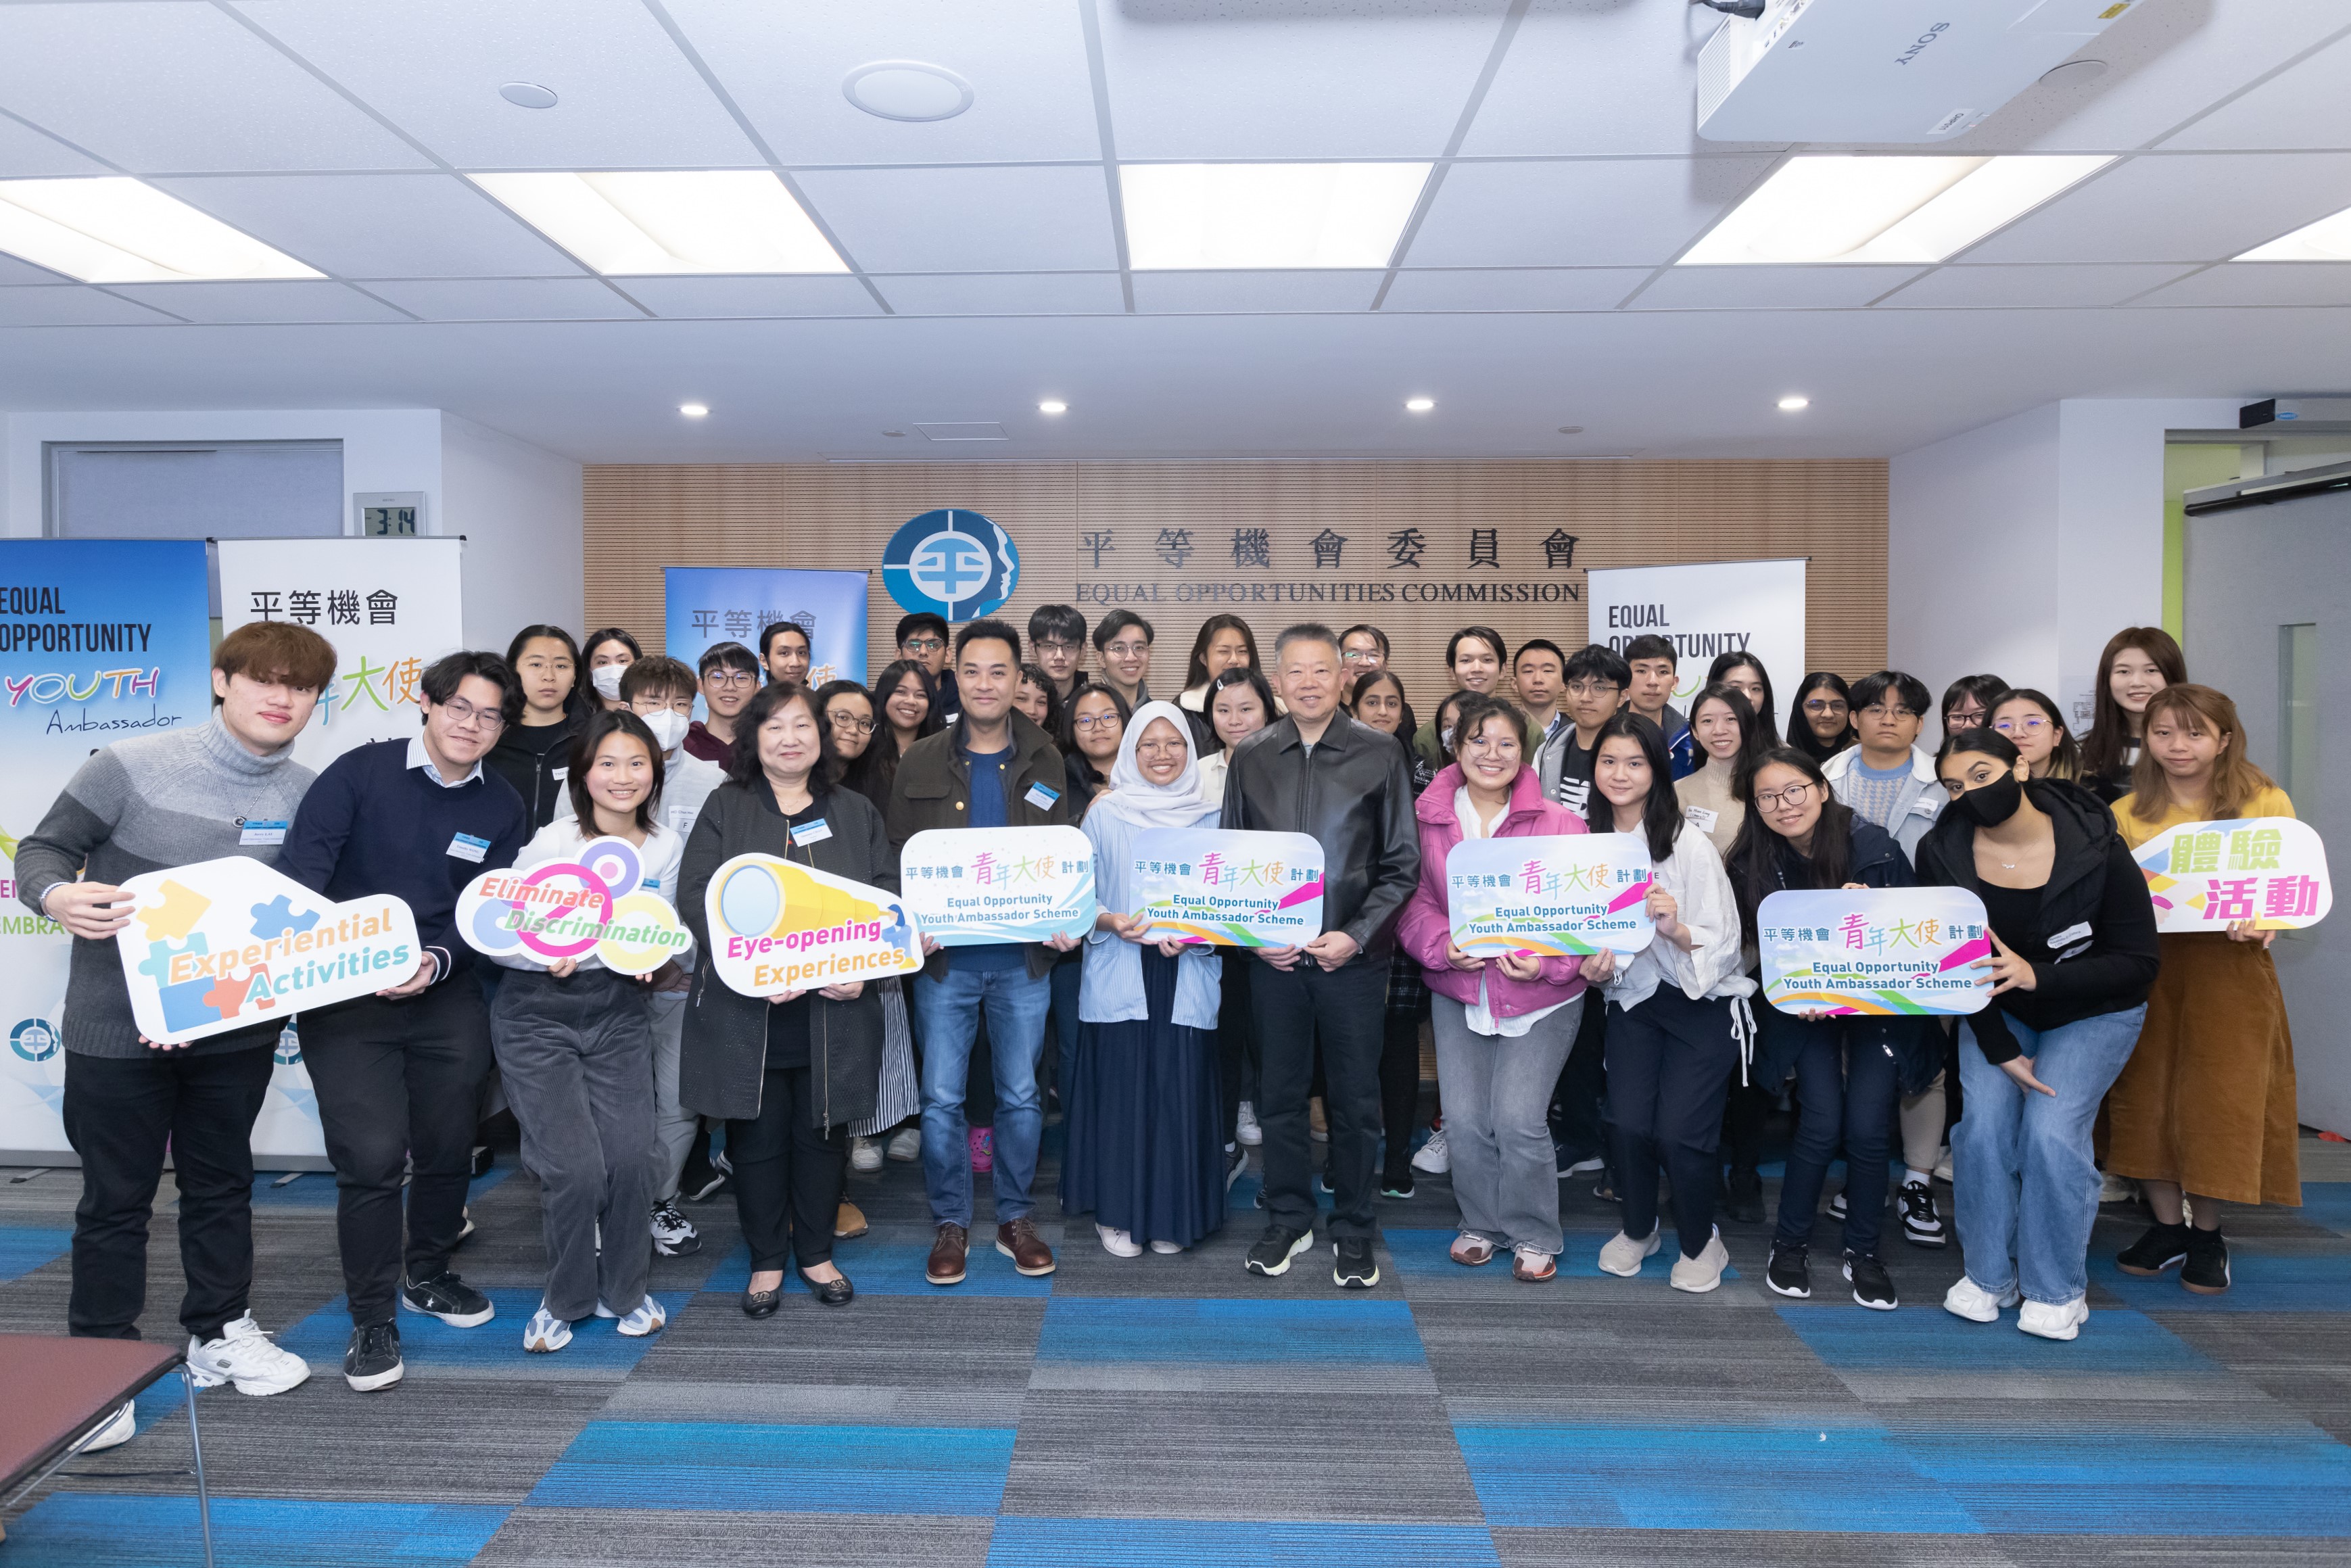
(2112, 1188)
(1970, 1301)
(866, 1155)
(2045, 1321)
(1623, 1255)
(1245, 1128)
(906, 1146)
(1118, 1243)
(1585, 1166)
(117, 1431)
(1166, 1249)
(650, 1317)
(244, 1355)
(1432, 1156)
(546, 1332)
(1702, 1273)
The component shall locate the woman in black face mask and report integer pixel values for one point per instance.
(2074, 953)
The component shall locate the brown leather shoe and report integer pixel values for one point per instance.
(1019, 1241)
(946, 1267)
(848, 1222)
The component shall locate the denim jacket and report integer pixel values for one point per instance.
(1110, 989)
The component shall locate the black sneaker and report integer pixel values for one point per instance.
(1742, 1197)
(448, 1297)
(1872, 1287)
(1236, 1162)
(372, 1360)
(1790, 1272)
(674, 1234)
(1354, 1267)
(1276, 1247)
(1836, 1207)
(1397, 1183)
(1604, 1189)
(703, 1179)
(1921, 1225)
(1322, 1183)
(2162, 1247)
(2206, 1272)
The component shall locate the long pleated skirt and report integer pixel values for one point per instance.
(1144, 1122)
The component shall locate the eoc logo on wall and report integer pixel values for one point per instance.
(951, 562)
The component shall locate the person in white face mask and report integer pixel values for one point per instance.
(605, 655)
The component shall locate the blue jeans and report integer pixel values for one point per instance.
(2024, 1188)
(947, 1012)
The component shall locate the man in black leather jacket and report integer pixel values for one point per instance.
(1318, 772)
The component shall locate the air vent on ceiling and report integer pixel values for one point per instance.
(967, 430)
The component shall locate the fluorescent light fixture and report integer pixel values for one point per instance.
(651, 223)
(116, 230)
(1419, 405)
(1186, 216)
(1794, 403)
(1840, 209)
(1052, 405)
(694, 410)
(2328, 239)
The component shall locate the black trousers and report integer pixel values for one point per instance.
(1669, 1061)
(787, 1174)
(1847, 1088)
(1343, 1008)
(1577, 1122)
(1399, 1087)
(1745, 1107)
(1237, 1054)
(121, 1115)
(396, 1083)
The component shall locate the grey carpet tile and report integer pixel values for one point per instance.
(2169, 1551)
(652, 1538)
(1240, 1381)
(1631, 1351)
(1273, 1455)
(2301, 1359)
(946, 1342)
(1798, 1548)
(2114, 1388)
(822, 1403)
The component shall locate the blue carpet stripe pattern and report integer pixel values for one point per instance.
(1174, 1410)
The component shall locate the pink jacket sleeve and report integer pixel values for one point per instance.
(1424, 929)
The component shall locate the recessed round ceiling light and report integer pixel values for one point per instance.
(1794, 403)
(2074, 73)
(1419, 405)
(1571, 430)
(907, 90)
(1052, 405)
(528, 95)
(694, 410)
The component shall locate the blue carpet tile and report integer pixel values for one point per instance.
(2263, 1279)
(24, 1247)
(1167, 1544)
(84, 1529)
(1856, 1339)
(1362, 1328)
(2327, 1204)
(781, 1469)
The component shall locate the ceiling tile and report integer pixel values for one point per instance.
(2031, 287)
(1588, 213)
(182, 88)
(1594, 77)
(2307, 106)
(71, 306)
(1160, 292)
(240, 303)
(1004, 294)
(1514, 289)
(2262, 282)
(626, 98)
(510, 299)
(967, 220)
(28, 155)
(763, 296)
(15, 269)
(379, 226)
(1187, 81)
(1770, 287)
(2194, 208)
(784, 67)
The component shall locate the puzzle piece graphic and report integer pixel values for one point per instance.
(174, 917)
(277, 918)
(228, 995)
(157, 965)
(186, 1005)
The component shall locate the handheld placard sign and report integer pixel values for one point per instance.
(2207, 876)
(569, 908)
(970, 885)
(1892, 950)
(1554, 896)
(1236, 887)
(778, 926)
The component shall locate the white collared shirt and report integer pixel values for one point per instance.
(420, 757)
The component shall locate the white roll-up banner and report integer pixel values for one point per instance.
(1706, 611)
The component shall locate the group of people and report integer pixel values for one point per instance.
(2106, 1054)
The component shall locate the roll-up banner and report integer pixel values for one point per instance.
(1706, 611)
(711, 604)
(100, 639)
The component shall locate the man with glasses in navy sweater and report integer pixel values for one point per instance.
(397, 1074)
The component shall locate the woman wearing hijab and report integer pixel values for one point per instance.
(1145, 1112)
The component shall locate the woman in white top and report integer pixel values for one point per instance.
(1729, 736)
(1239, 704)
(1677, 1011)
(574, 1045)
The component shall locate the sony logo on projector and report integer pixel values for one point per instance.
(1883, 70)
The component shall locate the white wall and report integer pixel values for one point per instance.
(518, 506)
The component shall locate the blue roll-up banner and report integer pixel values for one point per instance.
(712, 604)
(100, 639)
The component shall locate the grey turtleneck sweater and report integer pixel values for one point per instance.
(148, 804)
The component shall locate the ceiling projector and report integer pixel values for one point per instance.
(1883, 70)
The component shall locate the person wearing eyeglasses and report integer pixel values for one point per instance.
(1363, 648)
(729, 678)
(922, 637)
(396, 1073)
(1092, 723)
(1967, 701)
(1123, 644)
(1597, 677)
(1057, 641)
(1820, 721)
(2031, 722)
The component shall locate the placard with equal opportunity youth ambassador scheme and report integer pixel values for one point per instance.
(1900, 951)
(1234, 887)
(966, 887)
(2207, 876)
(1561, 896)
(777, 926)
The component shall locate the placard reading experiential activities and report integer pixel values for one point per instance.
(2206, 876)
(1552, 896)
(1908, 950)
(970, 885)
(1232, 886)
(222, 943)
(562, 909)
(776, 927)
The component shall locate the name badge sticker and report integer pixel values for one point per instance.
(466, 847)
(255, 831)
(2074, 933)
(1700, 817)
(560, 774)
(809, 833)
(1042, 797)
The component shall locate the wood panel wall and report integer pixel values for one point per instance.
(1170, 552)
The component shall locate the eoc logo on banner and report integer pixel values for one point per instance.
(970, 885)
(1561, 896)
(1235, 887)
(226, 943)
(2207, 876)
(776, 927)
(1895, 950)
(953, 562)
(564, 909)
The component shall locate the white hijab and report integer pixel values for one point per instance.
(1134, 799)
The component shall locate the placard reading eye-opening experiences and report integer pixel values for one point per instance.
(1563, 895)
(1893, 950)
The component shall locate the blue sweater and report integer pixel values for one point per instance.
(373, 824)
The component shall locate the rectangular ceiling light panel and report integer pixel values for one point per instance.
(2328, 239)
(1190, 216)
(658, 223)
(118, 230)
(1837, 210)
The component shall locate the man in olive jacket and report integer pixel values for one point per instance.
(992, 769)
